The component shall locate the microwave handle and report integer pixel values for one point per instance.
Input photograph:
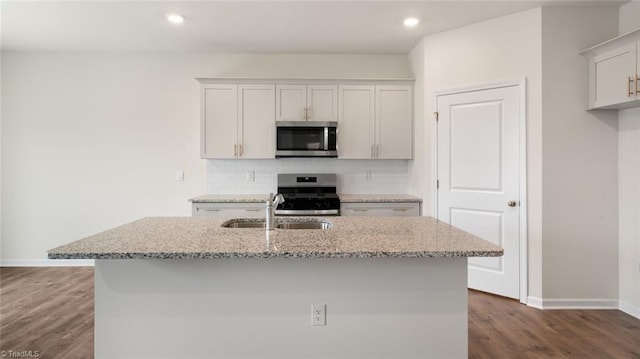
(326, 138)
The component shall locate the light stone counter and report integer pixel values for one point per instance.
(184, 287)
(349, 237)
(345, 198)
(378, 198)
(230, 198)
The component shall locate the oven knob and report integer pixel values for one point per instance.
(321, 205)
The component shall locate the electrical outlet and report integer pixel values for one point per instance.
(179, 176)
(367, 175)
(251, 176)
(318, 314)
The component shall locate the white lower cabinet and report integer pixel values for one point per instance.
(380, 209)
(244, 210)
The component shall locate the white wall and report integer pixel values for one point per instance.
(230, 176)
(505, 48)
(420, 183)
(93, 140)
(579, 161)
(571, 153)
(629, 186)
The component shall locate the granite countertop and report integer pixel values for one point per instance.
(349, 237)
(230, 198)
(378, 198)
(345, 198)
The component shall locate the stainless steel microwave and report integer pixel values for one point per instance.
(306, 139)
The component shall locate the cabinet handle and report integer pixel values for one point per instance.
(377, 151)
(629, 82)
(360, 209)
(252, 209)
(235, 150)
(372, 151)
(240, 150)
(308, 112)
(637, 81)
(209, 209)
(400, 209)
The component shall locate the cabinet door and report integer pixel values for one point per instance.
(394, 122)
(390, 209)
(322, 103)
(256, 124)
(609, 77)
(291, 101)
(356, 122)
(219, 121)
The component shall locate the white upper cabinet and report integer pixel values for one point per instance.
(613, 73)
(219, 112)
(237, 121)
(306, 102)
(256, 125)
(375, 117)
(394, 122)
(356, 133)
(376, 122)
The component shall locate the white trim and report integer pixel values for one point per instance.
(47, 263)
(552, 304)
(524, 240)
(534, 302)
(630, 309)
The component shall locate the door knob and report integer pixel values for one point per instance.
(512, 203)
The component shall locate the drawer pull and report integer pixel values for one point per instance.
(401, 209)
(252, 209)
(360, 209)
(209, 209)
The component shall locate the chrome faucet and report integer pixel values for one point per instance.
(272, 203)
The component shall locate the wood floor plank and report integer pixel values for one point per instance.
(51, 310)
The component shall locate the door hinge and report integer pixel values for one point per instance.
(436, 116)
(437, 184)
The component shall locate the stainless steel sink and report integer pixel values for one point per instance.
(304, 225)
(284, 224)
(231, 224)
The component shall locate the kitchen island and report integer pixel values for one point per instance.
(186, 287)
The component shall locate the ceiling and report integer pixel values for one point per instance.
(354, 27)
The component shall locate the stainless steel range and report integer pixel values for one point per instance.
(308, 195)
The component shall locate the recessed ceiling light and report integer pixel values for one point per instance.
(411, 22)
(175, 18)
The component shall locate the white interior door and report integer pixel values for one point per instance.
(478, 174)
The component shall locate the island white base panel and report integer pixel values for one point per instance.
(261, 308)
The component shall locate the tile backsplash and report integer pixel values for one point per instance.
(260, 176)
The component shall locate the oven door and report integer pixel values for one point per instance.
(306, 139)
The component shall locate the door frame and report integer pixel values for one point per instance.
(521, 84)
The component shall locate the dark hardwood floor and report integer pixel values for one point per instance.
(50, 310)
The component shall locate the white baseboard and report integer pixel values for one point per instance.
(47, 263)
(551, 304)
(630, 309)
(579, 304)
